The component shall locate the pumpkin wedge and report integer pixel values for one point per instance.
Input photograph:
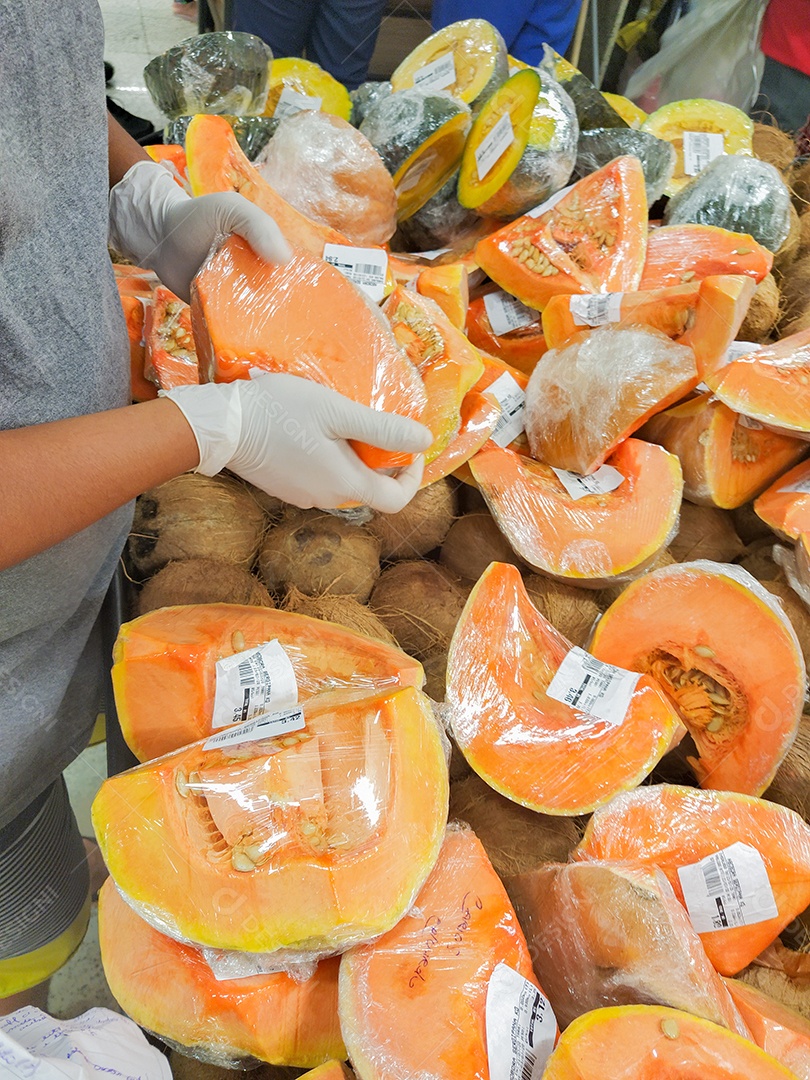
(303, 318)
(169, 989)
(331, 1070)
(779, 1031)
(525, 741)
(300, 844)
(164, 666)
(739, 694)
(141, 389)
(604, 934)
(479, 416)
(672, 827)
(677, 254)
(449, 287)
(521, 348)
(593, 539)
(309, 81)
(431, 973)
(170, 354)
(651, 1042)
(785, 505)
(726, 458)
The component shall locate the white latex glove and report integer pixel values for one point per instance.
(157, 225)
(288, 436)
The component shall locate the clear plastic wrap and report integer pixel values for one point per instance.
(741, 194)
(598, 388)
(604, 934)
(795, 563)
(413, 1004)
(672, 827)
(778, 1030)
(280, 837)
(365, 96)
(531, 734)
(600, 145)
(223, 72)
(170, 357)
(165, 666)
(252, 133)
(441, 222)
(785, 505)
(169, 989)
(327, 170)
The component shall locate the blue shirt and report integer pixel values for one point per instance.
(524, 24)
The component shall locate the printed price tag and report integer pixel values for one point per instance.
(437, 75)
(598, 309)
(699, 148)
(291, 102)
(551, 201)
(729, 888)
(605, 479)
(521, 1027)
(506, 313)
(495, 144)
(266, 727)
(512, 400)
(366, 267)
(801, 486)
(429, 256)
(253, 683)
(739, 348)
(589, 686)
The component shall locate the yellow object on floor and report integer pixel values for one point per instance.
(99, 731)
(22, 972)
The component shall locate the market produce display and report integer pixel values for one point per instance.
(569, 676)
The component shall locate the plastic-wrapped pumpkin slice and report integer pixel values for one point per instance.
(479, 417)
(677, 254)
(785, 505)
(776, 1028)
(523, 717)
(520, 347)
(301, 84)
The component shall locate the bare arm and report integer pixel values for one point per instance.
(123, 150)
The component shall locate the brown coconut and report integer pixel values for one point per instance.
(516, 839)
(273, 508)
(749, 525)
(420, 603)
(795, 325)
(796, 611)
(470, 500)
(795, 292)
(783, 975)
(791, 785)
(605, 597)
(785, 257)
(705, 533)
(186, 1068)
(195, 517)
(774, 146)
(571, 610)
(420, 527)
(758, 561)
(319, 553)
(799, 184)
(473, 542)
(763, 312)
(435, 665)
(343, 610)
(202, 581)
(804, 235)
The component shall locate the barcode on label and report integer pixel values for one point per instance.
(593, 687)
(506, 313)
(512, 400)
(712, 878)
(437, 75)
(727, 889)
(598, 309)
(266, 727)
(520, 1025)
(494, 145)
(602, 482)
(291, 102)
(365, 267)
(800, 487)
(246, 677)
(527, 1072)
(253, 683)
(699, 148)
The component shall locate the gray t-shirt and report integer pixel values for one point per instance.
(63, 352)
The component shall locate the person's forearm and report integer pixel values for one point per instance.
(58, 478)
(123, 151)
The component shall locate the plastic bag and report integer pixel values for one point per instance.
(712, 52)
(600, 145)
(171, 357)
(365, 97)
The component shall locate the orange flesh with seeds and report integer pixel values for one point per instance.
(171, 355)
(677, 254)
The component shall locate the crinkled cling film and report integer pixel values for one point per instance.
(309, 841)
(785, 505)
(600, 145)
(223, 72)
(252, 132)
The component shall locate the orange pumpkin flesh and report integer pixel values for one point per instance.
(164, 666)
(667, 826)
(727, 656)
(171, 356)
(310, 842)
(593, 539)
(304, 318)
(332, 1070)
(787, 512)
(169, 989)
(521, 348)
(776, 1029)
(677, 254)
(535, 750)
(416, 998)
(141, 388)
(650, 1042)
(449, 287)
(479, 416)
(726, 459)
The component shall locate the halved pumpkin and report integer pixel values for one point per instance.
(669, 827)
(677, 254)
(164, 666)
(169, 989)
(309, 80)
(604, 934)
(305, 843)
(141, 389)
(593, 539)
(449, 287)
(785, 505)
(740, 694)
(594, 110)
(170, 357)
(532, 748)
(479, 416)
(332, 1070)
(631, 113)
(415, 1000)
(593, 240)
(303, 318)
(520, 348)
(726, 458)
(778, 1030)
(651, 1042)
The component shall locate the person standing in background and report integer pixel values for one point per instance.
(524, 24)
(785, 88)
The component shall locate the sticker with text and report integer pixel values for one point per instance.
(604, 480)
(291, 102)
(437, 75)
(593, 687)
(266, 727)
(253, 683)
(700, 148)
(521, 1027)
(506, 313)
(512, 400)
(493, 145)
(801, 486)
(366, 267)
(596, 309)
(729, 888)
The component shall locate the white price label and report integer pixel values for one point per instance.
(266, 727)
(506, 313)
(253, 683)
(699, 148)
(729, 888)
(550, 202)
(592, 687)
(512, 400)
(291, 102)
(739, 348)
(366, 267)
(429, 256)
(437, 75)
(493, 145)
(521, 1027)
(605, 479)
(596, 309)
(801, 486)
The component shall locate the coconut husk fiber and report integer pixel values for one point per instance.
(515, 838)
(473, 542)
(748, 524)
(799, 183)
(791, 785)
(804, 235)
(344, 610)
(570, 610)
(783, 975)
(796, 611)
(774, 146)
(420, 527)
(435, 667)
(202, 581)
(795, 292)
(273, 508)
(318, 553)
(705, 533)
(470, 500)
(758, 560)
(420, 603)
(763, 312)
(787, 253)
(195, 517)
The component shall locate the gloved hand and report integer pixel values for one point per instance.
(157, 225)
(288, 436)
